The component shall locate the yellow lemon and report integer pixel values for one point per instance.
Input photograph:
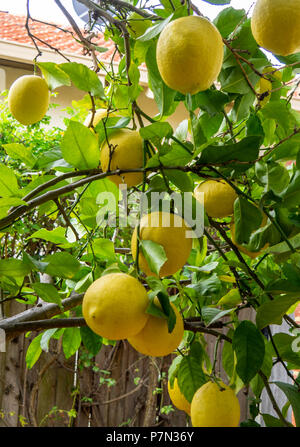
(215, 406)
(154, 339)
(251, 254)
(168, 230)
(177, 397)
(265, 85)
(137, 24)
(275, 25)
(99, 114)
(28, 99)
(189, 54)
(219, 197)
(114, 306)
(126, 152)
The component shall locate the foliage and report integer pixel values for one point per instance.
(53, 221)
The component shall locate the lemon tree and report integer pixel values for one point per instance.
(128, 228)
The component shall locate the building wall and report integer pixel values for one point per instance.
(65, 96)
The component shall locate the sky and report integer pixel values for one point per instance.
(47, 9)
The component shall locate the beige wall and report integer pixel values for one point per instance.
(66, 95)
(21, 54)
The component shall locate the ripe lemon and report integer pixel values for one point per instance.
(251, 254)
(265, 85)
(154, 339)
(127, 153)
(28, 99)
(168, 230)
(99, 114)
(137, 24)
(219, 197)
(177, 397)
(213, 407)
(114, 306)
(189, 54)
(275, 25)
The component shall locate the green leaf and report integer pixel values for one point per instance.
(8, 182)
(284, 343)
(249, 347)
(190, 376)
(176, 156)
(84, 78)
(47, 292)
(163, 95)
(165, 310)
(18, 151)
(281, 113)
(211, 314)
(155, 255)
(245, 150)
(83, 284)
(227, 20)
(56, 236)
(34, 351)
(257, 384)
(79, 146)
(207, 286)
(92, 341)
(180, 179)
(293, 396)
(14, 268)
(154, 30)
(291, 195)
(173, 369)
(156, 131)
(71, 341)
(62, 265)
(103, 249)
(211, 101)
(272, 175)
(218, 2)
(54, 75)
(273, 311)
(272, 421)
(247, 218)
(46, 336)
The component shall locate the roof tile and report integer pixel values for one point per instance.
(12, 29)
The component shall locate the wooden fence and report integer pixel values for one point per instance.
(119, 387)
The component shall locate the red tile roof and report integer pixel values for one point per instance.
(12, 28)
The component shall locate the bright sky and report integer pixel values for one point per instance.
(48, 11)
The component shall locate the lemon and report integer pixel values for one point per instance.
(154, 339)
(114, 306)
(189, 54)
(219, 197)
(98, 115)
(168, 230)
(137, 24)
(215, 406)
(126, 148)
(275, 25)
(251, 254)
(28, 99)
(177, 397)
(231, 299)
(265, 85)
